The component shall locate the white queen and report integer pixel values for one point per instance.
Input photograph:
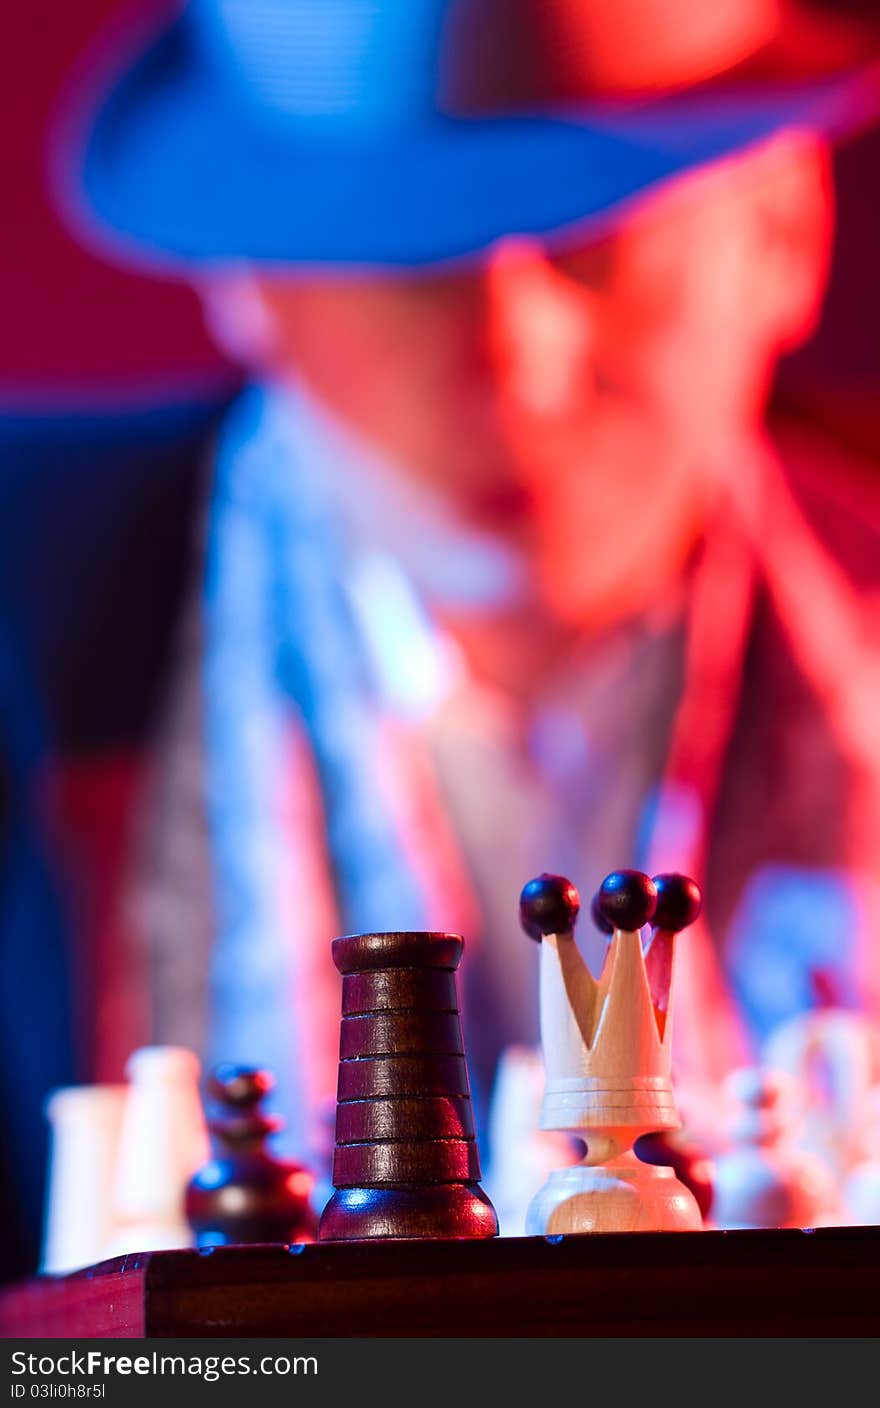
(606, 1046)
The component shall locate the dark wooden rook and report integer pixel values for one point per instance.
(406, 1163)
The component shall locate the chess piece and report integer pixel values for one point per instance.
(763, 1179)
(834, 1055)
(406, 1163)
(244, 1193)
(521, 1155)
(606, 1050)
(861, 1188)
(163, 1140)
(84, 1123)
(692, 1165)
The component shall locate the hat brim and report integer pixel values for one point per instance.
(180, 170)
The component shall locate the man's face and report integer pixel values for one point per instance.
(576, 401)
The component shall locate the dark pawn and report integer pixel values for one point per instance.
(549, 904)
(627, 899)
(679, 901)
(691, 1166)
(245, 1193)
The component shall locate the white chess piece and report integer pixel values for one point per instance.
(84, 1122)
(763, 1179)
(163, 1140)
(861, 1188)
(606, 1047)
(521, 1156)
(834, 1054)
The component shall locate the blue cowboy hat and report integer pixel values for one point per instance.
(315, 132)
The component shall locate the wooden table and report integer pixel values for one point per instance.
(733, 1284)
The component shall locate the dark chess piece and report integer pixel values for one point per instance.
(673, 1149)
(406, 1163)
(245, 1193)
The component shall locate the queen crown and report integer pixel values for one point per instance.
(606, 1041)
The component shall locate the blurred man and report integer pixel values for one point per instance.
(502, 571)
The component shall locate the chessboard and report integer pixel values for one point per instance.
(409, 1244)
(752, 1283)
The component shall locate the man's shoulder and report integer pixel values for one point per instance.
(98, 548)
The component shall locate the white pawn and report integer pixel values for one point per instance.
(834, 1054)
(85, 1122)
(164, 1140)
(762, 1179)
(521, 1156)
(861, 1189)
